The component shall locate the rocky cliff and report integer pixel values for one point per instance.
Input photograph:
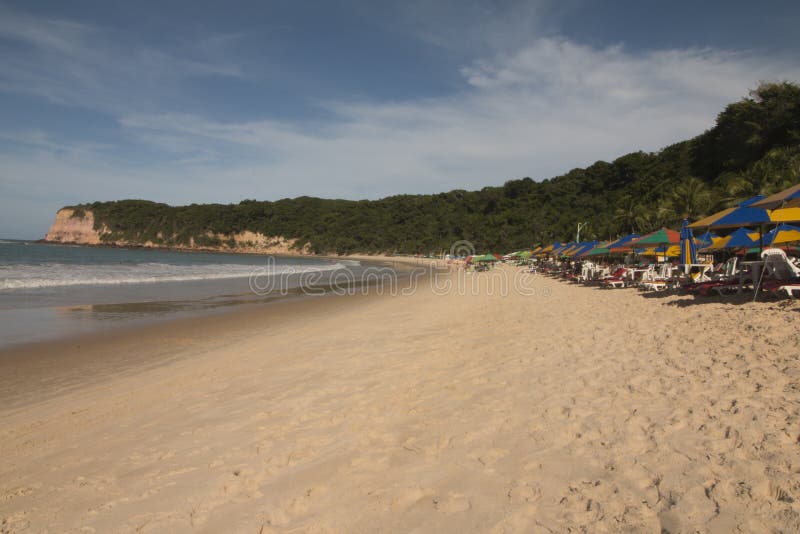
(78, 227)
(72, 227)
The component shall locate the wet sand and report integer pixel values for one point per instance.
(571, 407)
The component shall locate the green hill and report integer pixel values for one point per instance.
(753, 148)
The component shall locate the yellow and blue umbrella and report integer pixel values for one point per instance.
(741, 238)
(566, 246)
(623, 243)
(598, 248)
(745, 214)
(548, 249)
(688, 247)
(582, 248)
(564, 250)
(787, 198)
(569, 250)
(706, 239)
(783, 233)
(666, 251)
(785, 215)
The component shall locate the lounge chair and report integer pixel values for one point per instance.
(780, 274)
(720, 280)
(727, 281)
(660, 280)
(616, 279)
(778, 265)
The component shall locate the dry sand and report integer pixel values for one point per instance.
(574, 408)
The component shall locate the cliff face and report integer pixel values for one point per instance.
(68, 228)
(79, 230)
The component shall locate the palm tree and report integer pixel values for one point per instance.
(778, 169)
(691, 197)
(734, 186)
(630, 214)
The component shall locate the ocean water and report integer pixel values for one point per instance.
(50, 291)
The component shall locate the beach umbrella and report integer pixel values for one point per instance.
(664, 236)
(591, 250)
(787, 198)
(706, 239)
(785, 215)
(485, 258)
(525, 254)
(581, 248)
(744, 214)
(623, 240)
(564, 248)
(568, 250)
(548, 249)
(558, 250)
(718, 244)
(670, 251)
(741, 238)
(783, 233)
(623, 243)
(598, 251)
(688, 249)
(589, 245)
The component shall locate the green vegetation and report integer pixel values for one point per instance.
(78, 213)
(753, 148)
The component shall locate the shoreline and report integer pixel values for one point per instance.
(75, 311)
(382, 256)
(41, 358)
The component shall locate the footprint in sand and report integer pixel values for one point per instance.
(452, 503)
(490, 457)
(410, 497)
(523, 492)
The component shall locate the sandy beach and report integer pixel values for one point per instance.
(475, 411)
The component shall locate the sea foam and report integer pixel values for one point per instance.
(61, 274)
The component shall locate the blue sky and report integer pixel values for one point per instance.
(203, 101)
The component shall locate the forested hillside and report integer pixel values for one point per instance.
(753, 148)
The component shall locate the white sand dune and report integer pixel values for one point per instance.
(574, 408)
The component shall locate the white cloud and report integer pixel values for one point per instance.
(548, 107)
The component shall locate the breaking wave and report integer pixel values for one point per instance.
(61, 274)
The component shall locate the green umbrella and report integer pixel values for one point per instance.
(484, 258)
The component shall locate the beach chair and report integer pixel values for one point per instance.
(600, 273)
(725, 281)
(657, 280)
(777, 265)
(587, 271)
(781, 275)
(617, 279)
(777, 288)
